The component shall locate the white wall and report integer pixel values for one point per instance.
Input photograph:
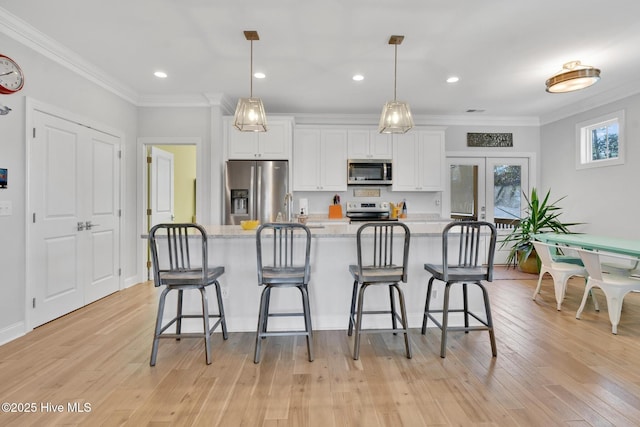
(206, 124)
(52, 84)
(605, 199)
(526, 139)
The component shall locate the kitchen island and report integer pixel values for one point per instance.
(333, 248)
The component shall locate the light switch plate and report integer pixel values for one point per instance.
(6, 208)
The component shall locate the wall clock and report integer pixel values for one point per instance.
(11, 77)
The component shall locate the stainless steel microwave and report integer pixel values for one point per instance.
(369, 172)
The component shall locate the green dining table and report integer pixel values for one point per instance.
(628, 247)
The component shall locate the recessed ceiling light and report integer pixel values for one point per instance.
(259, 75)
(358, 77)
(453, 79)
(160, 74)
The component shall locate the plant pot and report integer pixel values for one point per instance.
(529, 265)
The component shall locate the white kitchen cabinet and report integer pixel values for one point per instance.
(418, 161)
(369, 144)
(274, 144)
(320, 160)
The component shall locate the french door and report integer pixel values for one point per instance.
(74, 193)
(488, 189)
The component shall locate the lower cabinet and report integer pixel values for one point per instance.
(319, 159)
(418, 161)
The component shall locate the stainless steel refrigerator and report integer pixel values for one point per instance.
(255, 190)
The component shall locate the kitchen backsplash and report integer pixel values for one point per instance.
(417, 202)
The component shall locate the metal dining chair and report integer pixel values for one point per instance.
(283, 251)
(466, 239)
(560, 271)
(383, 254)
(614, 284)
(179, 255)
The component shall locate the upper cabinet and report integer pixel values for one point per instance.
(418, 161)
(369, 144)
(319, 159)
(274, 144)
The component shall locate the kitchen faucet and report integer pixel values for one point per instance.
(288, 202)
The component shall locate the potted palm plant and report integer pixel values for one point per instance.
(541, 216)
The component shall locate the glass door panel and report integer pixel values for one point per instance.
(507, 179)
(466, 188)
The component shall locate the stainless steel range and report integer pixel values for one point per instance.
(369, 211)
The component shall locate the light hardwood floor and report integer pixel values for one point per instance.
(551, 370)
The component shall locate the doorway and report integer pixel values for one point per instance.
(488, 189)
(169, 169)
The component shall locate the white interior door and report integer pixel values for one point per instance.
(161, 188)
(73, 182)
(102, 228)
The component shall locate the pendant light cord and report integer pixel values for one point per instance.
(395, 72)
(251, 73)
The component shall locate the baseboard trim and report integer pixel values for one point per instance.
(12, 332)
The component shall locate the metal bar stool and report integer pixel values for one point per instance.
(283, 251)
(176, 268)
(468, 269)
(376, 244)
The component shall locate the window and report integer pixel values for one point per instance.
(601, 141)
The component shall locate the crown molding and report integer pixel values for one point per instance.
(420, 120)
(179, 100)
(24, 33)
(617, 94)
(222, 100)
(187, 100)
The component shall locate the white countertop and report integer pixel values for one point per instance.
(330, 229)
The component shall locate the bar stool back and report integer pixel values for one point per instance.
(465, 237)
(383, 254)
(179, 255)
(283, 251)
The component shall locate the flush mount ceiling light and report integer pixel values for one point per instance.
(250, 116)
(396, 115)
(574, 76)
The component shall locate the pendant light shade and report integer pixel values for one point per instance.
(396, 115)
(574, 76)
(250, 115)
(396, 118)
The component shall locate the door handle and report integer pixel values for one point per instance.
(88, 225)
(80, 226)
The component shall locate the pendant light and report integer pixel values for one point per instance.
(574, 76)
(396, 115)
(250, 116)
